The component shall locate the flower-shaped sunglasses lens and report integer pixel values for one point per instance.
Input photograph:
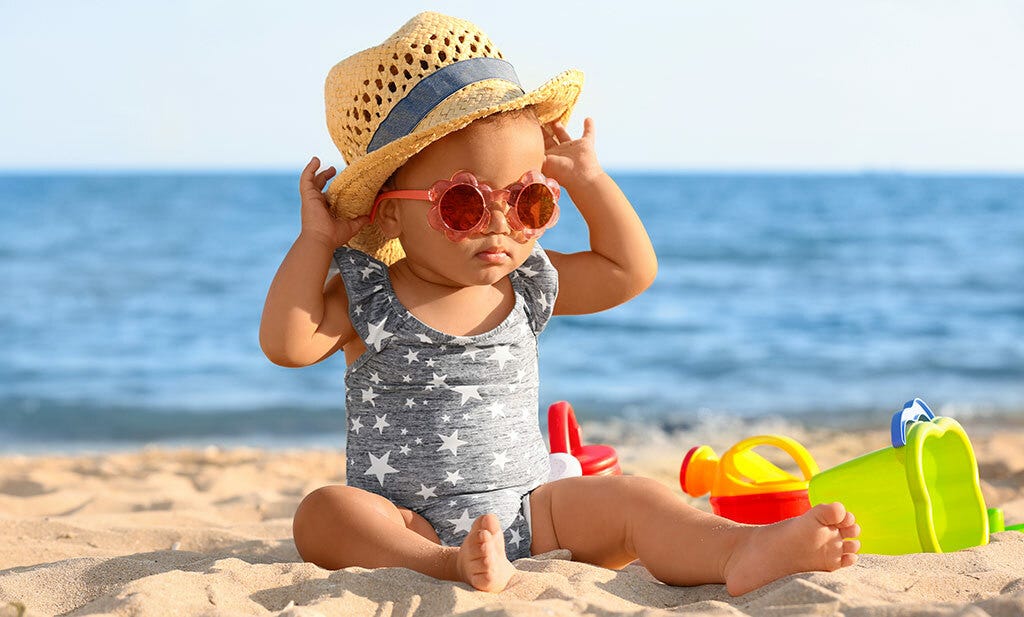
(535, 205)
(462, 207)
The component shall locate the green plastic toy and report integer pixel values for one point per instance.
(923, 496)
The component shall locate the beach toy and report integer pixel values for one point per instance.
(997, 523)
(920, 495)
(744, 486)
(566, 437)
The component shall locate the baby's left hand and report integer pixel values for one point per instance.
(571, 162)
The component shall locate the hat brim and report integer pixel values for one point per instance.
(353, 190)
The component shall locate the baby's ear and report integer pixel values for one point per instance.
(387, 218)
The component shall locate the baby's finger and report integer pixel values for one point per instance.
(560, 132)
(555, 166)
(550, 141)
(306, 177)
(588, 129)
(354, 225)
(321, 178)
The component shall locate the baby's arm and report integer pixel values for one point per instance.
(621, 262)
(303, 322)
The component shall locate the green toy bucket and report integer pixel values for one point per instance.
(919, 497)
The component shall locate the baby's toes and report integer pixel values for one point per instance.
(847, 521)
(831, 514)
(850, 532)
(851, 546)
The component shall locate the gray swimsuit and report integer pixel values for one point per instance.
(447, 426)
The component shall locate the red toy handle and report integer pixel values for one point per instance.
(563, 429)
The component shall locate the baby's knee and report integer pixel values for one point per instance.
(312, 518)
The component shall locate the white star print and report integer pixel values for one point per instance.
(424, 338)
(501, 459)
(405, 431)
(377, 334)
(368, 395)
(412, 357)
(516, 538)
(438, 381)
(407, 378)
(359, 310)
(379, 467)
(409, 403)
(501, 355)
(405, 449)
(468, 393)
(431, 362)
(367, 271)
(375, 378)
(444, 347)
(446, 418)
(356, 425)
(453, 478)
(452, 503)
(528, 271)
(382, 423)
(451, 442)
(466, 416)
(471, 351)
(425, 492)
(520, 374)
(419, 441)
(496, 409)
(542, 301)
(462, 524)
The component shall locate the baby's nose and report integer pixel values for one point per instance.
(499, 222)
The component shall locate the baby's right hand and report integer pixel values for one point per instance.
(317, 221)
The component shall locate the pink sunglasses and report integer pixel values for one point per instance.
(462, 205)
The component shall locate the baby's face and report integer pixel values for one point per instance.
(498, 152)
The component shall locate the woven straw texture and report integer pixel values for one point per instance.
(362, 89)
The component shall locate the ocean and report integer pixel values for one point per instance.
(131, 307)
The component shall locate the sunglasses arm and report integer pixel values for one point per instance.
(418, 195)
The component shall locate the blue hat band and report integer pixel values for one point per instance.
(432, 90)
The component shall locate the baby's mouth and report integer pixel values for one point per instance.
(494, 254)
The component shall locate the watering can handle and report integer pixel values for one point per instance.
(913, 411)
(790, 446)
(563, 430)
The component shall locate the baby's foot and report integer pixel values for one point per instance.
(481, 561)
(812, 541)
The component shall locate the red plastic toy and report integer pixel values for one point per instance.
(566, 436)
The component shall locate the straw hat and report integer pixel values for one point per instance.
(433, 77)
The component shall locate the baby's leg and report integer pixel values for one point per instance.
(610, 521)
(340, 526)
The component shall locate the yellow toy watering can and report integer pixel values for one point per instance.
(744, 486)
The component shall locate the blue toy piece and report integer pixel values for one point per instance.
(913, 411)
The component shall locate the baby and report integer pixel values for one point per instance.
(453, 174)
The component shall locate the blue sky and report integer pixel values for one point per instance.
(749, 85)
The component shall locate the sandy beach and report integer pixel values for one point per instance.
(163, 531)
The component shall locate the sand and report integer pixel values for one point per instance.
(163, 531)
